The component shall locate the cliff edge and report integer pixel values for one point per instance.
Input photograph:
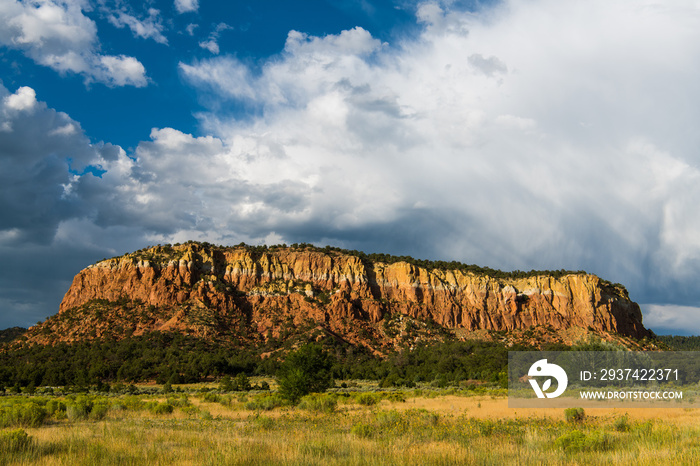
(249, 293)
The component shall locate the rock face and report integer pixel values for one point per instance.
(261, 290)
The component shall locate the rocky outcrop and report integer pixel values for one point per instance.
(262, 289)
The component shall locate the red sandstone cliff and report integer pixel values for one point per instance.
(262, 291)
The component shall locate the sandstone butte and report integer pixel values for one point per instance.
(342, 294)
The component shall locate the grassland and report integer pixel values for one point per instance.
(356, 426)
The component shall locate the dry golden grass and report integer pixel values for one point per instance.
(487, 407)
(423, 430)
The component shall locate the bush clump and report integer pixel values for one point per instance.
(576, 441)
(306, 370)
(79, 409)
(22, 414)
(211, 397)
(622, 424)
(162, 408)
(265, 403)
(99, 411)
(264, 422)
(367, 399)
(319, 403)
(362, 430)
(55, 407)
(14, 441)
(574, 414)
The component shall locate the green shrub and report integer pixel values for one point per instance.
(265, 403)
(226, 384)
(14, 441)
(571, 441)
(179, 401)
(362, 430)
(622, 424)
(79, 409)
(395, 396)
(190, 410)
(428, 418)
(211, 398)
(163, 408)
(576, 441)
(319, 403)
(574, 414)
(150, 405)
(307, 370)
(367, 399)
(99, 411)
(390, 420)
(22, 414)
(264, 422)
(645, 428)
(241, 383)
(134, 403)
(55, 406)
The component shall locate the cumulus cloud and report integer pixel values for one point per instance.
(672, 319)
(46, 233)
(120, 71)
(23, 99)
(186, 6)
(305, 64)
(211, 43)
(56, 33)
(41, 153)
(150, 27)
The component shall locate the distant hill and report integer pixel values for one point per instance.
(10, 334)
(680, 343)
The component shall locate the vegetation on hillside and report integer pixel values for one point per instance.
(169, 251)
(10, 334)
(680, 343)
(177, 358)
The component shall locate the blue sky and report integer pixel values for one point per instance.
(524, 135)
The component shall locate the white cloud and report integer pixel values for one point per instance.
(186, 6)
(225, 75)
(57, 34)
(307, 63)
(120, 71)
(677, 320)
(147, 28)
(23, 99)
(38, 146)
(211, 43)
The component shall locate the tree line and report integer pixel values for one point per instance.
(176, 358)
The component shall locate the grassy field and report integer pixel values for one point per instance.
(360, 426)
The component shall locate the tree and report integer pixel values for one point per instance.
(241, 382)
(306, 370)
